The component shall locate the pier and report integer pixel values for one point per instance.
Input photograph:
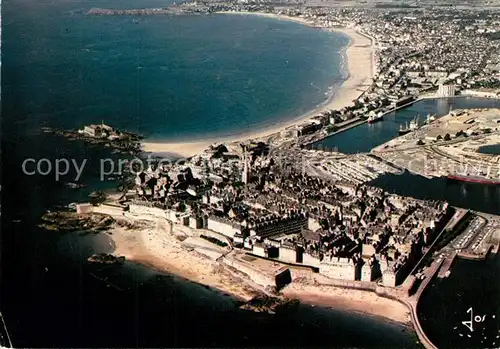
(342, 127)
(446, 266)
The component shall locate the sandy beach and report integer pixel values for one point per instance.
(360, 67)
(362, 302)
(136, 245)
(167, 254)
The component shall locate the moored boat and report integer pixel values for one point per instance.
(403, 130)
(474, 179)
(374, 118)
(430, 118)
(407, 129)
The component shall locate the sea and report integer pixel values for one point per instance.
(167, 78)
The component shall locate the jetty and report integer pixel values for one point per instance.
(446, 266)
(412, 303)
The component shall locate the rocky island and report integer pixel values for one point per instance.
(105, 258)
(121, 141)
(270, 305)
(67, 221)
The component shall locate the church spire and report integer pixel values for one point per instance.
(244, 178)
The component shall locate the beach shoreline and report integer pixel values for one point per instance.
(168, 255)
(358, 53)
(139, 245)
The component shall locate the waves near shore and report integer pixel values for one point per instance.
(357, 62)
(158, 246)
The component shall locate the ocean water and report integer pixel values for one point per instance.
(472, 284)
(490, 149)
(167, 78)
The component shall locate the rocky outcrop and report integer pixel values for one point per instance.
(66, 221)
(270, 305)
(104, 258)
(126, 143)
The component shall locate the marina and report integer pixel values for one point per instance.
(350, 141)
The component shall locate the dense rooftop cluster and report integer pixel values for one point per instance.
(269, 205)
(276, 211)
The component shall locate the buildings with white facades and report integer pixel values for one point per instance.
(446, 90)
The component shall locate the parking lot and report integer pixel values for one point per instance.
(465, 239)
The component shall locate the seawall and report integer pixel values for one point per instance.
(269, 276)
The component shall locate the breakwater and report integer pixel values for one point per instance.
(352, 123)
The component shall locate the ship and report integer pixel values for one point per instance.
(403, 130)
(474, 179)
(374, 118)
(430, 118)
(413, 126)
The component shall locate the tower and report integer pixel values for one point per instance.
(206, 170)
(244, 177)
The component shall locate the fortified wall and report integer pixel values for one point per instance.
(340, 268)
(224, 226)
(148, 210)
(112, 210)
(273, 278)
